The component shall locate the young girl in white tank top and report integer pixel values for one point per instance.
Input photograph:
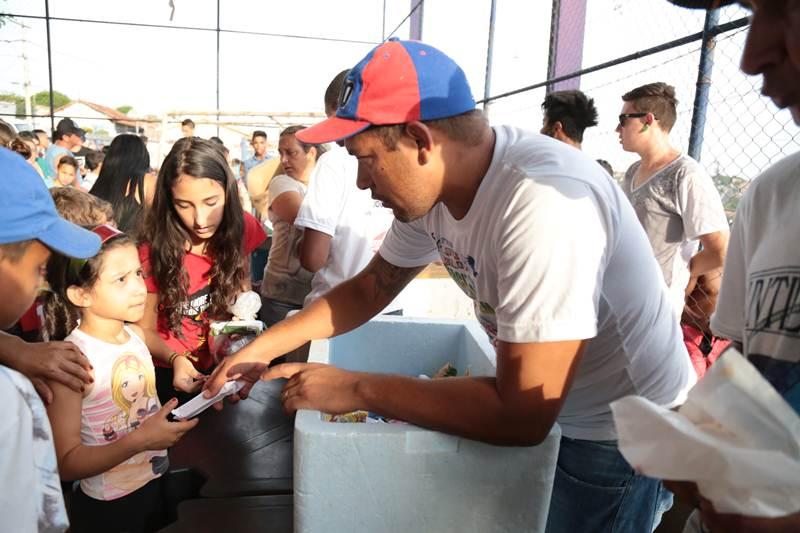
(113, 436)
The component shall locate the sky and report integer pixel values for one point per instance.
(157, 70)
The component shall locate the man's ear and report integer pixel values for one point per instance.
(422, 136)
(558, 131)
(78, 296)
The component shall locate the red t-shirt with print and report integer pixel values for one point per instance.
(195, 322)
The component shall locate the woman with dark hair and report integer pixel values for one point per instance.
(196, 244)
(125, 181)
(286, 283)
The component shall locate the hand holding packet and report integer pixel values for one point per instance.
(199, 403)
(735, 436)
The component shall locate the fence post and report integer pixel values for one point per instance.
(487, 85)
(703, 84)
(50, 68)
(415, 29)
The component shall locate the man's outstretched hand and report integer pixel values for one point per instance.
(317, 386)
(234, 367)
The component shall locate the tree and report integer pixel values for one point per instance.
(730, 190)
(40, 98)
(43, 98)
(125, 109)
(19, 102)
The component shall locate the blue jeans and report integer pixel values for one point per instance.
(596, 490)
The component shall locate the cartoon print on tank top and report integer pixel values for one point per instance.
(133, 393)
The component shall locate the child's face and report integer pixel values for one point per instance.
(119, 292)
(20, 281)
(200, 204)
(66, 175)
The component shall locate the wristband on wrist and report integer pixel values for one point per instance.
(172, 357)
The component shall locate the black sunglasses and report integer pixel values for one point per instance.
(625, 116)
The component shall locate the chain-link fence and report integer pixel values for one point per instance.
(737, 134)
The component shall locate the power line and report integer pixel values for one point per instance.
(192, 28)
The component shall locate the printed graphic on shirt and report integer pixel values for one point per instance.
(774, 310)
(133, 391)
(198, 303)
(194, 333)
(123, 409)
(463, 270)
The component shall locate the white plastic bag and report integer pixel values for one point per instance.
(735, 436)
(230, 336)
(246, 306)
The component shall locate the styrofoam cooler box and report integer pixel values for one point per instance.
(374, 478)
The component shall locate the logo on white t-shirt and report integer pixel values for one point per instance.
(463, 270)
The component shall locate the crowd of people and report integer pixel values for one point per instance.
(589, 290)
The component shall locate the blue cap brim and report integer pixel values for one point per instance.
(69, 239)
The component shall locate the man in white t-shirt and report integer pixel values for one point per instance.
(674, 198)
(343, 226)
(759, 301)
(543, 241)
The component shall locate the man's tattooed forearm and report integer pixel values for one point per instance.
(390, 279)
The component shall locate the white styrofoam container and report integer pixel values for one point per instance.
(355, 478)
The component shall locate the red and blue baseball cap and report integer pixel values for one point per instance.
(27, 212)
(397, 82)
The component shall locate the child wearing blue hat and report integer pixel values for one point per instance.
(30, 229)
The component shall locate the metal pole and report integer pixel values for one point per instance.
(49, 65)
(26, 82)
(703, 84)
(415, 30)
(383, 23)
(218, 34)
(551, 57)
(487, 84)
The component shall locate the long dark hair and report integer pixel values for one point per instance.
(121, 180)
(60, 315)
(168, 236)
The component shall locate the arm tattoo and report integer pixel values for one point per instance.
(388, 279)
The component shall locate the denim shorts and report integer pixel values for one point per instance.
(596, 490)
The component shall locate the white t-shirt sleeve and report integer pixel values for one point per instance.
(281, 184)
(550, 262)
(702, 210)
(17, 465)
(728, 320)
(324, 200)
(408, 245)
